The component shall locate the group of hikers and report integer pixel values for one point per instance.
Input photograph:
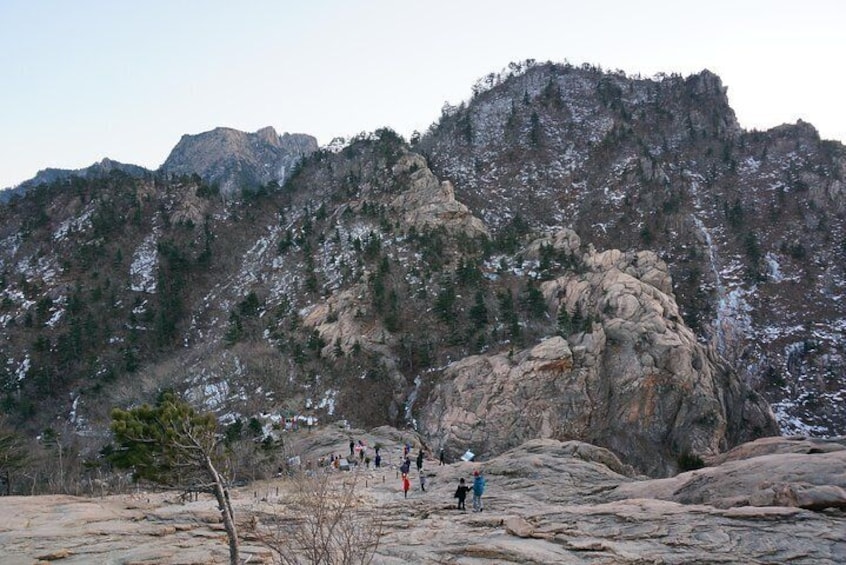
(478, 487)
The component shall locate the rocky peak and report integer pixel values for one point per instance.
(431, 202)
(236, 160)
(268, 135)
(50, 175)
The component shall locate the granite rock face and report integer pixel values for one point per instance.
(632, 377)
(237, 160)
(431, 202)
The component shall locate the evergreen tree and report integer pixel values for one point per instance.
(479, 312)
(173, 445)
(565, 324)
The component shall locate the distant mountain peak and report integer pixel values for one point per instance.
(237, 160)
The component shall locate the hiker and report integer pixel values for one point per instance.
(420, 460)
(352, 447)
(478, 491)
(406, 485)
(461, 494)
(406, 466)
(378, 460)
(422, 482)
(442, 457)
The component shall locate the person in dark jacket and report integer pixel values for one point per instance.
(461, 494)
(420, 461)
(406, 466)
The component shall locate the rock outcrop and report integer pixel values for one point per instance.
(430, 202)
(237, 160)
(630, 377)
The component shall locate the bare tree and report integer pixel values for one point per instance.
(323, 524)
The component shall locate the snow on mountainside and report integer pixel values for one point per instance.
(263, 275)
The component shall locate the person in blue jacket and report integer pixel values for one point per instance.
(478, 491)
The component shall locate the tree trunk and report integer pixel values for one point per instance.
(222, 496)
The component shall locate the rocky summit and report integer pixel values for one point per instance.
(750, 223)
(237, 161)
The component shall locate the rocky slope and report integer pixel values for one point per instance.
(546, 501)
(380, 286)
(633, 379)
(235, 160)
(750, 223)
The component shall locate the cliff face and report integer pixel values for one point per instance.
(236, 160)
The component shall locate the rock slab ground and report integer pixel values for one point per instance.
(546, 502)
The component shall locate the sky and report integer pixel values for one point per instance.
(82, 80)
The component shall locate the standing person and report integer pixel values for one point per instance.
(478, 491)
(406, 485)
(442, 457)
(422, 482)
(406, 466)
(378, 460)
(420, 460)
(352, 447)
(461, 494)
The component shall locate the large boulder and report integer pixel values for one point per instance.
(632, 377)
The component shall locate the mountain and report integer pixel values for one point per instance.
(48, 176)
(573, 254)
(235, 160)
(750, 223)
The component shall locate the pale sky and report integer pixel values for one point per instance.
(82, 79)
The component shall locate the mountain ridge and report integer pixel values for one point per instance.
(563, 212)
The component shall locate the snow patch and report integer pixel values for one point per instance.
(145, 261)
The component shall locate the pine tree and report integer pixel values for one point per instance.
(173, 445)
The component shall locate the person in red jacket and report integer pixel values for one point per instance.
(406, 485)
